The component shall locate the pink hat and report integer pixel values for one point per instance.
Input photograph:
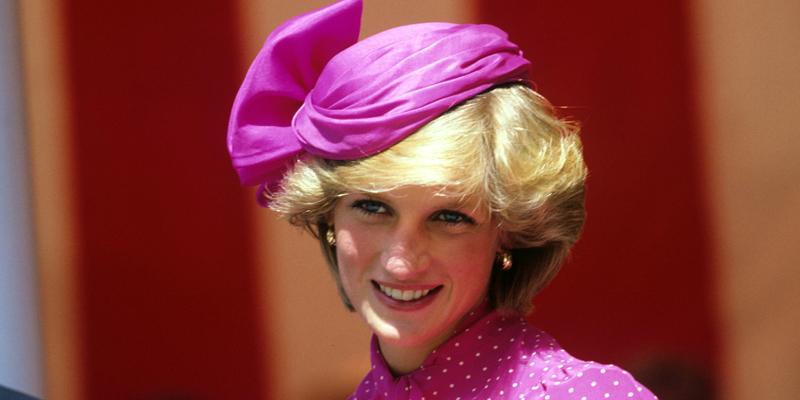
(315, 89)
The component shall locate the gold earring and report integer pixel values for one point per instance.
(330, 238)
(505, 260)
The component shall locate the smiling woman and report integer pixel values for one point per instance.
(483, 157)
(444, 191)
(413, 266)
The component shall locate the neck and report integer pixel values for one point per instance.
(405, 359)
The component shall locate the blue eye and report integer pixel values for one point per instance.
(370, 207)
(453, 217)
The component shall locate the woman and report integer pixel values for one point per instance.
(444, 191)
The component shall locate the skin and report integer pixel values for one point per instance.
(413, 238)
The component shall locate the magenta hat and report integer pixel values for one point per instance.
(315, 89)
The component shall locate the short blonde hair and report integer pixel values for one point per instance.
(504, 147)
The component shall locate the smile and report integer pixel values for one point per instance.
(404, 295)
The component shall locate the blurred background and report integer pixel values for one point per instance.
(133, 266)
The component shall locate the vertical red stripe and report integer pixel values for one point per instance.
(166, 270)
(639, 284)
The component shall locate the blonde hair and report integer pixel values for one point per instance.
(505, 147)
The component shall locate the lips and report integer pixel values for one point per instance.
(403, 295)
(406, 295)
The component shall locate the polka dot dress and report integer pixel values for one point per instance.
(497, 358)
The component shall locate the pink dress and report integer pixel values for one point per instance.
(494, 358)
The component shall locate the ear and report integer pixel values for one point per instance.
(322, 226)
(503, 242)
(327, 218)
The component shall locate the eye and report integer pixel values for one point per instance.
(453, 217)
(370, 207)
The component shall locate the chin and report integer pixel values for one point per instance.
(401, 338)
(397, 333)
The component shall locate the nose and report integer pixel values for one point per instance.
(406, 255)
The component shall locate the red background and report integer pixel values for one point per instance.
(639, 284)
(166, 268)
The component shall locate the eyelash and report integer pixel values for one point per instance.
(364, 207)
(373, 208)
(461, 218)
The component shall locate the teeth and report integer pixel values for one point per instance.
(403, 295)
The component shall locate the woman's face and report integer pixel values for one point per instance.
(413, 262)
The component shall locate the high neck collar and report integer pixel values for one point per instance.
(481, 312)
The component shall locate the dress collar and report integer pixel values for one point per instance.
(438, 355)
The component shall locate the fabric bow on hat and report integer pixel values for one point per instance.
(313, 88)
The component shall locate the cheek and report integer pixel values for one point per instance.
(473, 271)
(476, 253)
(472, 262)
(355, 253)
(354, 246)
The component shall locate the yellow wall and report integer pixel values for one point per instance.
(52, 178)
(749, 76)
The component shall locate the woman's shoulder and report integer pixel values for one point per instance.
(546, 369)
(594, 381)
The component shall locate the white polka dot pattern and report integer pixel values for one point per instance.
(500, 358)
